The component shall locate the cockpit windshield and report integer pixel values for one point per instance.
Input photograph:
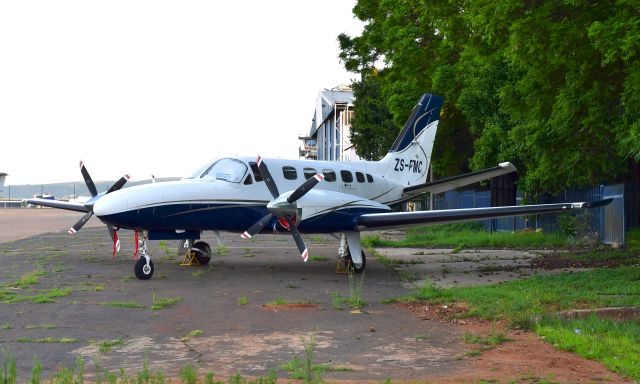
(231, 170)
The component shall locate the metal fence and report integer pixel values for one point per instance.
(608, 222)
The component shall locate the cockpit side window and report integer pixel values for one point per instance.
(230, 170)
(255, 171)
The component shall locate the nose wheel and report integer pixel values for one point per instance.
(143, 269)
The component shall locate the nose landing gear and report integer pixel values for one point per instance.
(143, 269)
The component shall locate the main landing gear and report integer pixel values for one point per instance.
(350, 242)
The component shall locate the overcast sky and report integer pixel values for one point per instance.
(160, 87)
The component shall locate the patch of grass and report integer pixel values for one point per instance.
(5, 326)
(30, 278)
(319, 258)
(41, 326)
(198, 273)
(243, 300)
(105, 346)
(422, 337)
(189, 374)
(616, 344)
(47, 340)
(530, 304)
(123, 304)
(468, 236)
(164, 302)
(192, 334)
(494, 339)
(337, 300)
(355, 290)
(409, 276)
(11, 297)
(221, 251)
(278, 301)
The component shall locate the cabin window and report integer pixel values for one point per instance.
(255, 171)
(369, 178)
(248, 180)
(329, 175)
(309, 173)
(289, 173)
(231, 170)
(360, 177)
(346, 176)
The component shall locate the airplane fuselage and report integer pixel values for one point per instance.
(229, 194)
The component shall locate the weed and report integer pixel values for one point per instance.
(292, 285)
(123, 304)
(337, 300)
(422, 337)
(8, 372)
(36, 371)
(105, 346)
(5, 326)
(409, 276)
(318, 238)
(189, 374)
(243, 300)
(41, 326)
(194, 333)
(355, 290)
(278, 301)
(47, 340)
(162, 244)
(319, 258)
(458, 248)
(198, 273)
(221, 251)
(44, 297)
(164, 302)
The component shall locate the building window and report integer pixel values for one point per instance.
(255, 171)
(289, 173)
(369, 178)
(360, 177)
(329, 175)
(309, 173)
(346, 176)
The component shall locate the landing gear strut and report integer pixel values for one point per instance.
(351, 266)
(143, 269)
(345, 252)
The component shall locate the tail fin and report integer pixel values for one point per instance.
(407, 162)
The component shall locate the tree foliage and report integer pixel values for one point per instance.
(552, 86)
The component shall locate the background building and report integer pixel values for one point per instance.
(328, 138)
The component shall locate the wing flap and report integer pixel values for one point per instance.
(57, 204)
(458, 181)
(373, 221)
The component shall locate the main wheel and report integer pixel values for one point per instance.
(141, 270)
(351, 266)
(203, 252)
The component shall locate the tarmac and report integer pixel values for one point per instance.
(224, 319)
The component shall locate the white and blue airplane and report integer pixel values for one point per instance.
(246, 196)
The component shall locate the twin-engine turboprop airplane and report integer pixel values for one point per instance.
(246, 196)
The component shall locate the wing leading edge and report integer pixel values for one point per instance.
(458, 181)
(373, 221)
(57, 204)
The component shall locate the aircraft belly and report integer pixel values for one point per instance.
(201, 217)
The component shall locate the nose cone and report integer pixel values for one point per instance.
(110, 204)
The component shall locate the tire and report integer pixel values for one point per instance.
(139, 269)
(203, 252)
(352, 267)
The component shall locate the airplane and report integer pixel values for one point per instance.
(250, 196)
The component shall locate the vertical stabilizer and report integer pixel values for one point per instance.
(2, 177)
(407, 162)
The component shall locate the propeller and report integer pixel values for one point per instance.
(89, 204)
(284, 209)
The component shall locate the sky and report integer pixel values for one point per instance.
(160, 87)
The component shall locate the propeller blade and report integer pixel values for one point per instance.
(302, 247)
(118, 184)
(304, 188)
(257, 227)
(83, 220)
(266, 175)
(87, 180)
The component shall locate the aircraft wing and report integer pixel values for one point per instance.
(458, 181)
(372, 221)
(57, 204)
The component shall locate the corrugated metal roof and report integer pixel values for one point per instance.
(338, 96)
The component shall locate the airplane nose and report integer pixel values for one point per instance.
(109, 204)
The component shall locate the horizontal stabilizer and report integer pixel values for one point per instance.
(458, 181)
(405, 219)
(57, 204)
